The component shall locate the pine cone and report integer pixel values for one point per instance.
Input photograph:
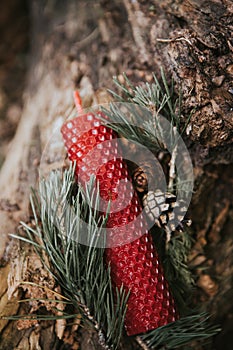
(162, 209)
(165, 211)
(134, 265)
(144, 174)
(140, 181)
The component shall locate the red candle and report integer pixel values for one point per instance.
(131, 252)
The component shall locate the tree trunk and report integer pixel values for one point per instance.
(80, 44)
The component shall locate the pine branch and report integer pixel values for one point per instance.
(150, 115)
(157, 97)
(177, 271)
(134, 123)
(79, 269)
(183, 331)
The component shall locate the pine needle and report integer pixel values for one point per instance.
(181, 332)
(78, 268)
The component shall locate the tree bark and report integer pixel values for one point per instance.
(81, 45)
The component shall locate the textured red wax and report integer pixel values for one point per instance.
(136, 264)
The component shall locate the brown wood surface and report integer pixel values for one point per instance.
(82, 44)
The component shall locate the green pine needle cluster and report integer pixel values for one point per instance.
(159, 99)
(79, 269)
(173, 335)
(175, 264)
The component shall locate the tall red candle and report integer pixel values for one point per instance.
(135, 264)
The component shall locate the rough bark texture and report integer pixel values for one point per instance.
(80, 45)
